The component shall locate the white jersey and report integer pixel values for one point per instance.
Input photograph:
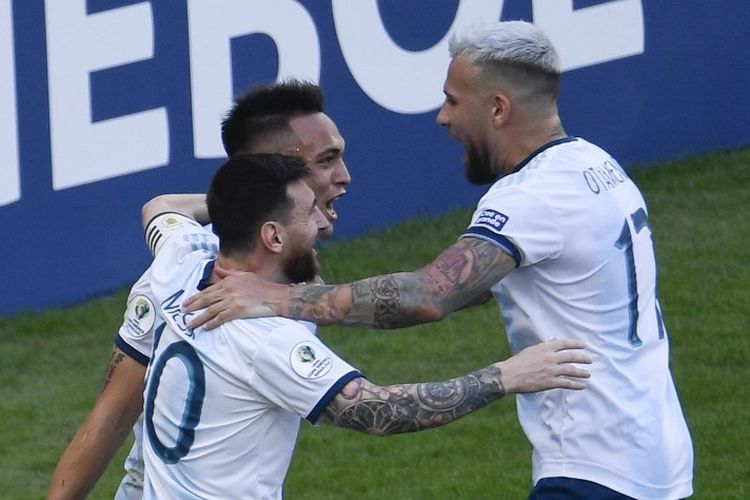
(135, 338)
(222, 407)
(577, 227)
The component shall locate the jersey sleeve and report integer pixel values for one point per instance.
(164, 225)
(520, 223)
(180, 244)
(136, 334)
(297, 372)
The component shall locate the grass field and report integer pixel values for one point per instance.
(52, 363)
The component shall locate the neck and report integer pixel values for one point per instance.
(264, 266)
(525, 140)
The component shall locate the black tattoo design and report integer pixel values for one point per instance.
(312, 303)
(459, 275)
(394, 409)
(115, 358)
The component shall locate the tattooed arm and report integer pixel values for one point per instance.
(106, 428)
(459, 275)
(394, 409)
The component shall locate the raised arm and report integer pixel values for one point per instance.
(394, 409)
(190, 205)
(459, 275)
(106, 428)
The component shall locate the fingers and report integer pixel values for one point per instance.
(574, 385)
(568, 351)
(199, 321)
(197, 301)
(581, 357)
(221, 272)
(569, 370)
(201, 300)
(559, 361)
(208, 318)
(562, 344)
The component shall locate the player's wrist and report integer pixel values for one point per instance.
(503, 378)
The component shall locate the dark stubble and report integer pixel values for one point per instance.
(478, 167)
(301, 266)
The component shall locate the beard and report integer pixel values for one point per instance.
(301, 266)
(478, 167)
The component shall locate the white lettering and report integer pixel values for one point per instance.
(211, 26)
(77, 44)
(592, 35)
(10, 185)
(399, 80)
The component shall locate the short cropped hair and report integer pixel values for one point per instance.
(266, 110)
(246, 192)
(516, 48)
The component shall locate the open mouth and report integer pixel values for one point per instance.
(330, 211)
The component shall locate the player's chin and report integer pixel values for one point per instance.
(326, 233)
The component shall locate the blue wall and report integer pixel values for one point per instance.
(105, 103)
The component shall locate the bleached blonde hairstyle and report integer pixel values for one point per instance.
(516, 42)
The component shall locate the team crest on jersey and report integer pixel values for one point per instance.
(307, 361)
(170, 221)
(491, 219)
(140, 316)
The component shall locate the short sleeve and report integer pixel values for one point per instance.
(519, 222)
(136, 334)
(162, 225)
(297, 372)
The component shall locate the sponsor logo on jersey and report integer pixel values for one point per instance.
(307, 361)
(491, 219)
(140, 316)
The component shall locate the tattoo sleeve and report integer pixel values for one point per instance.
(461, 273)
(394, 409)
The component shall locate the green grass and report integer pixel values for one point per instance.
(52, 363)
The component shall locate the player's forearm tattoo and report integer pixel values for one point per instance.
(115, 358)
(469, 264)
(394, 409)
(465, 270)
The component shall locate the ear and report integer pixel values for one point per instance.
(501, 109)
(272, 236)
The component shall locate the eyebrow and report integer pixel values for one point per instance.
(332, 150)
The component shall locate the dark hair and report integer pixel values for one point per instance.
(266, 110)
(246, 192)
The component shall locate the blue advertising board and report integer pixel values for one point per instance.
(106, 103)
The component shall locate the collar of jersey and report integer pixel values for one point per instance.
(551, 144)
(203, 283)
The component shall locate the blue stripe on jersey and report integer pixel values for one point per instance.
(130, 351)
(204, 283)
(543, 148)
(330, 394)
(498, 239)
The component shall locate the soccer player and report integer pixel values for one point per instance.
(562, 240)
(285, 117)
(222, 408)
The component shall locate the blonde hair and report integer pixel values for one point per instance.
(516, 42)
